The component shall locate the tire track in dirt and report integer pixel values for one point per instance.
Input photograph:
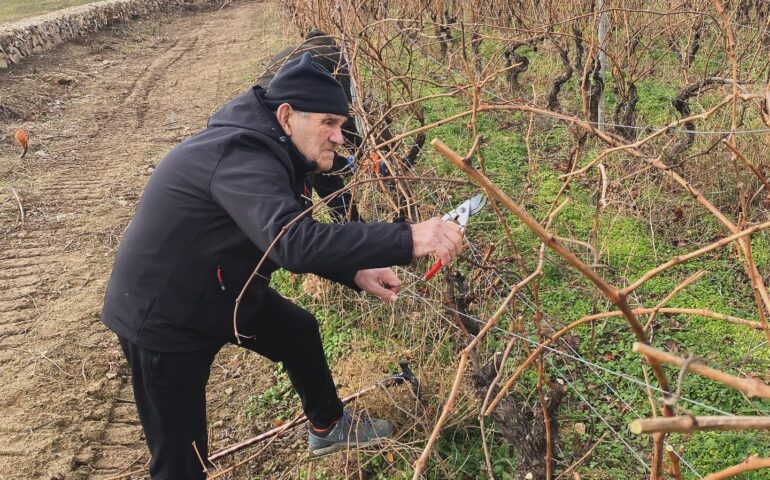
(66, 398)
(140, 90)
(142, 78)
(19, 278)
(121, 449)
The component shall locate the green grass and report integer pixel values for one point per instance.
(12, 10)
(629, 245)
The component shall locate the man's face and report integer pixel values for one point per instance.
(316, 136)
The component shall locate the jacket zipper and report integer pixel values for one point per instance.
(220, 278)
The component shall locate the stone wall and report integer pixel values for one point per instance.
(34, 35)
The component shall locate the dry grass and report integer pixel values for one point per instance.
(13, 10)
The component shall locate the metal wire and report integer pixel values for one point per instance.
(584, 400)
(548, 319)
(591, 365)
(694, 132)
(564, 378)
(577, 358)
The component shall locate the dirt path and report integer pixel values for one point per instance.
(99, 113)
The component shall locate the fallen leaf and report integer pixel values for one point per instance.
(23, 139)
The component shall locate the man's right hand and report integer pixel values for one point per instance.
(444, 238)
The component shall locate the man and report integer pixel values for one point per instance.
(210, 211)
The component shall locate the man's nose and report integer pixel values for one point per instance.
(336, 136)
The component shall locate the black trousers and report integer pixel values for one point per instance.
(170, 388)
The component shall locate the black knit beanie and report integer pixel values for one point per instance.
(307, 87)
(319, 37)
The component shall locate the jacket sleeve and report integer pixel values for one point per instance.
(255, 189)
(343, 278)
(341, 208)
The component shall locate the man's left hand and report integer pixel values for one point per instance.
(380, 282)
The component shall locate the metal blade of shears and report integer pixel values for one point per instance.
(461, 214)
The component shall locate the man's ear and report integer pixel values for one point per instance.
(283, 113)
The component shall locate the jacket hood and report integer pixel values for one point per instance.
(249, 112)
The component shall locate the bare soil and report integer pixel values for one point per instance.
(100, 113)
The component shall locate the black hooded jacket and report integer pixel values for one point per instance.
(209, 212)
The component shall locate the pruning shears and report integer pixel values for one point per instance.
(460, 215)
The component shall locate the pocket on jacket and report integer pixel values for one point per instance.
(214, 310)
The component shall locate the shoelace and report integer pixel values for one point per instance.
(348, 420)
(358, 417)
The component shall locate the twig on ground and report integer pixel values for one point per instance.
(43, 354)
(18, 202)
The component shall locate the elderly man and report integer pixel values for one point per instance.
(210, 211)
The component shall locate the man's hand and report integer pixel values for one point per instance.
(380, 282)
(438, 236)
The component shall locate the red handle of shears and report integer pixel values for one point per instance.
(434, 270)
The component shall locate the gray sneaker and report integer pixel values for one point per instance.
(350, 430)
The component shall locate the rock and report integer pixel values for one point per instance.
(22, 39)
(82, 459)
(95, 388)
